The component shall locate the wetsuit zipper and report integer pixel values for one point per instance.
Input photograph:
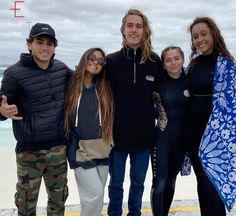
(134, 66)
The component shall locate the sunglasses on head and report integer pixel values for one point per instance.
(100, 61)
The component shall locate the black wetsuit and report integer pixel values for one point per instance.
(200, 85)
(168, 152)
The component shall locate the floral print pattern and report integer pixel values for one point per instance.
(162, 116)
(217, 150)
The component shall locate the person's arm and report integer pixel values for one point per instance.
(109, 75)
(2, 118)
(70, 72)
(71, 148)
(8, 111)
(160, 72)
(162, 119)
(8, 93)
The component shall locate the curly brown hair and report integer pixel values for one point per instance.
(219, 43)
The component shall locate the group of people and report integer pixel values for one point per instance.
(128, 103)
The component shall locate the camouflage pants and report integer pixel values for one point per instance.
(50, 165)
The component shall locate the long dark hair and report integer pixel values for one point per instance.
(219, 43)
(104, 95)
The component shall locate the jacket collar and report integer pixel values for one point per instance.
(28, 60)
(132, 53)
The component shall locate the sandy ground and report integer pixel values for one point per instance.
(185, 188)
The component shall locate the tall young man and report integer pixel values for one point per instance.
(133, 72)
(32, 94)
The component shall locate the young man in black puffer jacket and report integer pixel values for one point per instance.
(32, 95)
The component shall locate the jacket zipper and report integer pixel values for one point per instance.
(134, 66)
(53, 97)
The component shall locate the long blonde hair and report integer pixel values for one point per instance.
(104, 96)
(146, 44)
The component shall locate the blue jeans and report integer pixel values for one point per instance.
(138, 168)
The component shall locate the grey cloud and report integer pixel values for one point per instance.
(83, 24)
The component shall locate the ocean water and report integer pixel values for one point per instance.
(7, 140)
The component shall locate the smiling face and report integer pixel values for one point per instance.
(133, 31)
(202, 38)
(173, 62)
(42, 48)
(94, 65)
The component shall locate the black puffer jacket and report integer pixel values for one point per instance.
(133, 85)
(39, 96)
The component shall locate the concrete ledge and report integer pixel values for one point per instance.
(178, 208)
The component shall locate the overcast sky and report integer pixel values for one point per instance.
(82, 24)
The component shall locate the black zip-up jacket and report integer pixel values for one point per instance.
(133, 85)
(39, 97)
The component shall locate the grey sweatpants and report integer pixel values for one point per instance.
(91, 183)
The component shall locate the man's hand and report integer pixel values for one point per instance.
(9, 111)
